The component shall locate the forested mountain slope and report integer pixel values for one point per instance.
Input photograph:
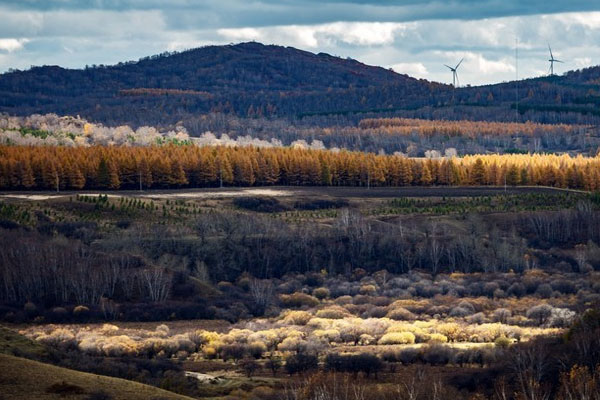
(248, 79)
(254, 80)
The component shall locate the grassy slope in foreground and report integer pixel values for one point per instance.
(25, 379)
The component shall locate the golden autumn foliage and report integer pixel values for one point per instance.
(471, 129)
(172, 166)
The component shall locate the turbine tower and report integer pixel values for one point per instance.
(454, 73)
(552, 61)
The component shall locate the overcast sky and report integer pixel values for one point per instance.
(415, 37)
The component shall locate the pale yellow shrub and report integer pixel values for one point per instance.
(88, 345)
(487, 332)
(108, 329)
(118, 346)
(397, 338)
(297, 317)
(437, 338)
(209, 352)
(236, 336)
(58, 337)
(269, 337)
(375, 327)
(502, 342)
(319, 323)
(256, 349)
(400, 314)
(421, 334)
(366, 339)
(330, 335)
(162, 330)
(332, 312)
(292, 344)
(203, 337)
(400, 327)
(152, 345)
(451, 330)
(368, 290)
(297, 300)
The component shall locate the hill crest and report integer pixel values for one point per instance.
(256, 80)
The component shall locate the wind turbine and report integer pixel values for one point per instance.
(454, 73)
(552, 61)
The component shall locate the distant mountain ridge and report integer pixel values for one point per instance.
(256, 80)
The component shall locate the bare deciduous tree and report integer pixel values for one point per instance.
(262, 294)
(530, 365)
(157, 283)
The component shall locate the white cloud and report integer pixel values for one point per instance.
(489, 67)
(240, 34)
(360, 33)
(74, 37)
(582, 61)
(589, 20)
(416, 69)
(291, 35)
(420, 48)
(11, 45)
(476, 62)
(323, 35)
(184, 44)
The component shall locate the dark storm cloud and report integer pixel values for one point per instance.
(412, 36)
(185, 14)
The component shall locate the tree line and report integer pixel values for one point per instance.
(470, 129)
(173, 166)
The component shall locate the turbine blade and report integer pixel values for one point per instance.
(551, 56)
(559, 61)
(451, 69)
(459, 63)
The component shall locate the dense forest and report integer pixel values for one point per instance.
(405, 136)
(256, 81)
(176, 166)
(246, 79)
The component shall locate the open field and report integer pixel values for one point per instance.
(287, 191)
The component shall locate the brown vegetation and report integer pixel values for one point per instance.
(184, 166)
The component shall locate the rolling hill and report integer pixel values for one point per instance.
(254, 80)
(27, 379)
(248, 79)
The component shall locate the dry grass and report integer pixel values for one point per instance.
(25, 379)
(14, 344)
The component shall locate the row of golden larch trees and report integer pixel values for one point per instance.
(173, 166)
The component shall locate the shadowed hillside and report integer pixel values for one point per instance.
(44, 381)
(260, 83)
(247, 79)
